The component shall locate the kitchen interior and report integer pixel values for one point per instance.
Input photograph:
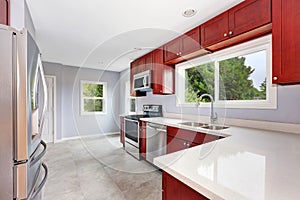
(172, 100)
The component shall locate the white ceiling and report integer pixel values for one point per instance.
(103, 34)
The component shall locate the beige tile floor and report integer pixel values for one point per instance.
(98, 168)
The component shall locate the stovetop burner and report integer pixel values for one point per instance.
(136, 117)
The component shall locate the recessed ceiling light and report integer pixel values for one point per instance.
(189, 12)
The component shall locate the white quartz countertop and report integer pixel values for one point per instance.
(247, 164)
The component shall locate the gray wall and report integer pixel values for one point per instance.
(288, 106)
(20, 16)
(69, 121)
(28, 21)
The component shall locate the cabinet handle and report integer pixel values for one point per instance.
(275, 78)
(225, 34)
(188, 145)
(230, 33)
(184, 143)
(180, 53)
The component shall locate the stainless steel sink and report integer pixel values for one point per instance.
(194, 124)
(215, 127)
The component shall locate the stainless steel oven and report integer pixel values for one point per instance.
(132, 133)
(132, 128)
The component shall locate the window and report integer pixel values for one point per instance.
(237, 77)
(130, 102)
(93, 97)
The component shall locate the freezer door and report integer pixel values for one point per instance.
(6, 115)
(21, 152)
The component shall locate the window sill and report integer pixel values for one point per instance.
(93, 113)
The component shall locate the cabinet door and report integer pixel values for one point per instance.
(215, 30)
(249, 15)
(170, 187)
(286, 41)
(175, 144)
(172, 49)
(4, 12)
(122, 131)
(133, 71)
(148, 61)
(187, 135)
(190, 42)
(173, 189)
(143, 139)
(157, 78)
(163, 75)
(141, 64)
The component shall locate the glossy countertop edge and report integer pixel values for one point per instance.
(234, 136)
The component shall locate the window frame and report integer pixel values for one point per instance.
(128, 98)
(104, 98)
(263, 43)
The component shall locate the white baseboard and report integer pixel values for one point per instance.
(86, 136)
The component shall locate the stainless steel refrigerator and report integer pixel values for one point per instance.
(23, 100)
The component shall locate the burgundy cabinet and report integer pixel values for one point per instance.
(215, 30)
(173, 189)
(143, 139)
(141, 64)
(174, 144)
(286, 41)
(134, 70)
(249, 15)
(4, 12)
(163, 76)
(184, 47)
(249, 19)
(148, 61)
(122, 131)
(179, 139)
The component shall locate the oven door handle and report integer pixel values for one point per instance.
(34, 159)
(37, 189)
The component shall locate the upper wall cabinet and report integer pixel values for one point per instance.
(248, 19)
(134, 69)
(286, 41)
(184, 47)
(4, 12)
(163, 75)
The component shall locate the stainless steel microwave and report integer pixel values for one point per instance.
(142, 81)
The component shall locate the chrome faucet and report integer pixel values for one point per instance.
(213, 115)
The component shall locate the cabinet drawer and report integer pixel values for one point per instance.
(187, 135)
(175, 144)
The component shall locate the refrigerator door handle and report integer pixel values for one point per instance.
(40, 66)
(34, 159)
(37, 188)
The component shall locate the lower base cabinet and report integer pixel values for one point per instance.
(173, 189)
(122, 131)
